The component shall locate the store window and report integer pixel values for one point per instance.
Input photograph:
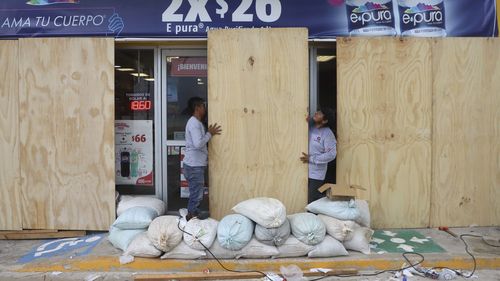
(134, 121)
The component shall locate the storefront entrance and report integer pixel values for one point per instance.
(183, 76)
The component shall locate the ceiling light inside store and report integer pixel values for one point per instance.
(125, 69)
(117, 66)
(149, 79)
(169, 59)
(139, 74)
(324, 58)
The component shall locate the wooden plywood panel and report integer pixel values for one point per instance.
(10, 211)
(384, 126)
(466, 132)
(258, 92)
(67, 133)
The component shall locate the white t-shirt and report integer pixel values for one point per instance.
(196, 143)
(322, 149)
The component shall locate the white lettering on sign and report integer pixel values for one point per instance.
(265, 10)
(192, 66)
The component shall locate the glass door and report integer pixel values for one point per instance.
(184, 75)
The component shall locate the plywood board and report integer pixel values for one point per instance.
(384, 126)
(258, 92)
(67, 133)
(25, 235)
(10, 207)
(466, 132)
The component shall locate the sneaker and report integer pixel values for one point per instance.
(203, 216)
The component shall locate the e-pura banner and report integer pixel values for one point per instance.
(193, 18)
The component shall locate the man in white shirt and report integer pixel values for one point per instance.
(322, 149)
(196, 154)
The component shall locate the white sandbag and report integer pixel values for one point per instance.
(121, 238)
(364, 213)
(293, 248)
(275, 236)
(308, 228)
(136, 218)
(336, 228)
(360, 240)
(184, 252)
(353, 226)
(342, 210)
(200, 231)
(164, 233)
(142, 247)
(219, 252)
(256, 250)
(235, 231)
(268, 212)
(128, 202)
(330, 247)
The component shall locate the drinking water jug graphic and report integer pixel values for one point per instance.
(422, 18)
(134, 164)
(370, 18)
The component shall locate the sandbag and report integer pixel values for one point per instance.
(121, 238)
(198, 232)
(219, 252)
(164, 233)
(135, 218)
(267, 212)
(184, 252)
(336, 228)
(275, 236)
(308, 228)
(364, 213)
(256, 250)
(142, 247)
(234, 232)
(293, 248)
(128, 202)
(360, 240)
(330, 247)
(342, 210)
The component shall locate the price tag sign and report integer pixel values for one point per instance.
(134, 152)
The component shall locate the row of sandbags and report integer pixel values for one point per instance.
(260, 229)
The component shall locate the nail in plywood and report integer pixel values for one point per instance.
(258, 92)
(384, 126)
(67, 133)
(10, 193)
(466, 132)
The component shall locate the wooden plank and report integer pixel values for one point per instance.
(466, 132)
(10, 194)
(230, 275)
(31, 231)
(384, 126)
(258, 92)
(67, 133)
(22, 235)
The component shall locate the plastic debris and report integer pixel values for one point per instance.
(124, 259)
(292, 272)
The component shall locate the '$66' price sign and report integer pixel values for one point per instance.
(139, 138)
(265, 10)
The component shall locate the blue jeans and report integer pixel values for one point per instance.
(195, 177)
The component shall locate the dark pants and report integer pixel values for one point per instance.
(195, 177)
(313, 193)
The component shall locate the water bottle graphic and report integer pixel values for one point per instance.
(134, 163)
(370, 18)
(422, 18)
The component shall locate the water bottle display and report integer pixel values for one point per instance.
(422, 18)
(370, 18)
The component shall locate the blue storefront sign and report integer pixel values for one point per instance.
(193, 18)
